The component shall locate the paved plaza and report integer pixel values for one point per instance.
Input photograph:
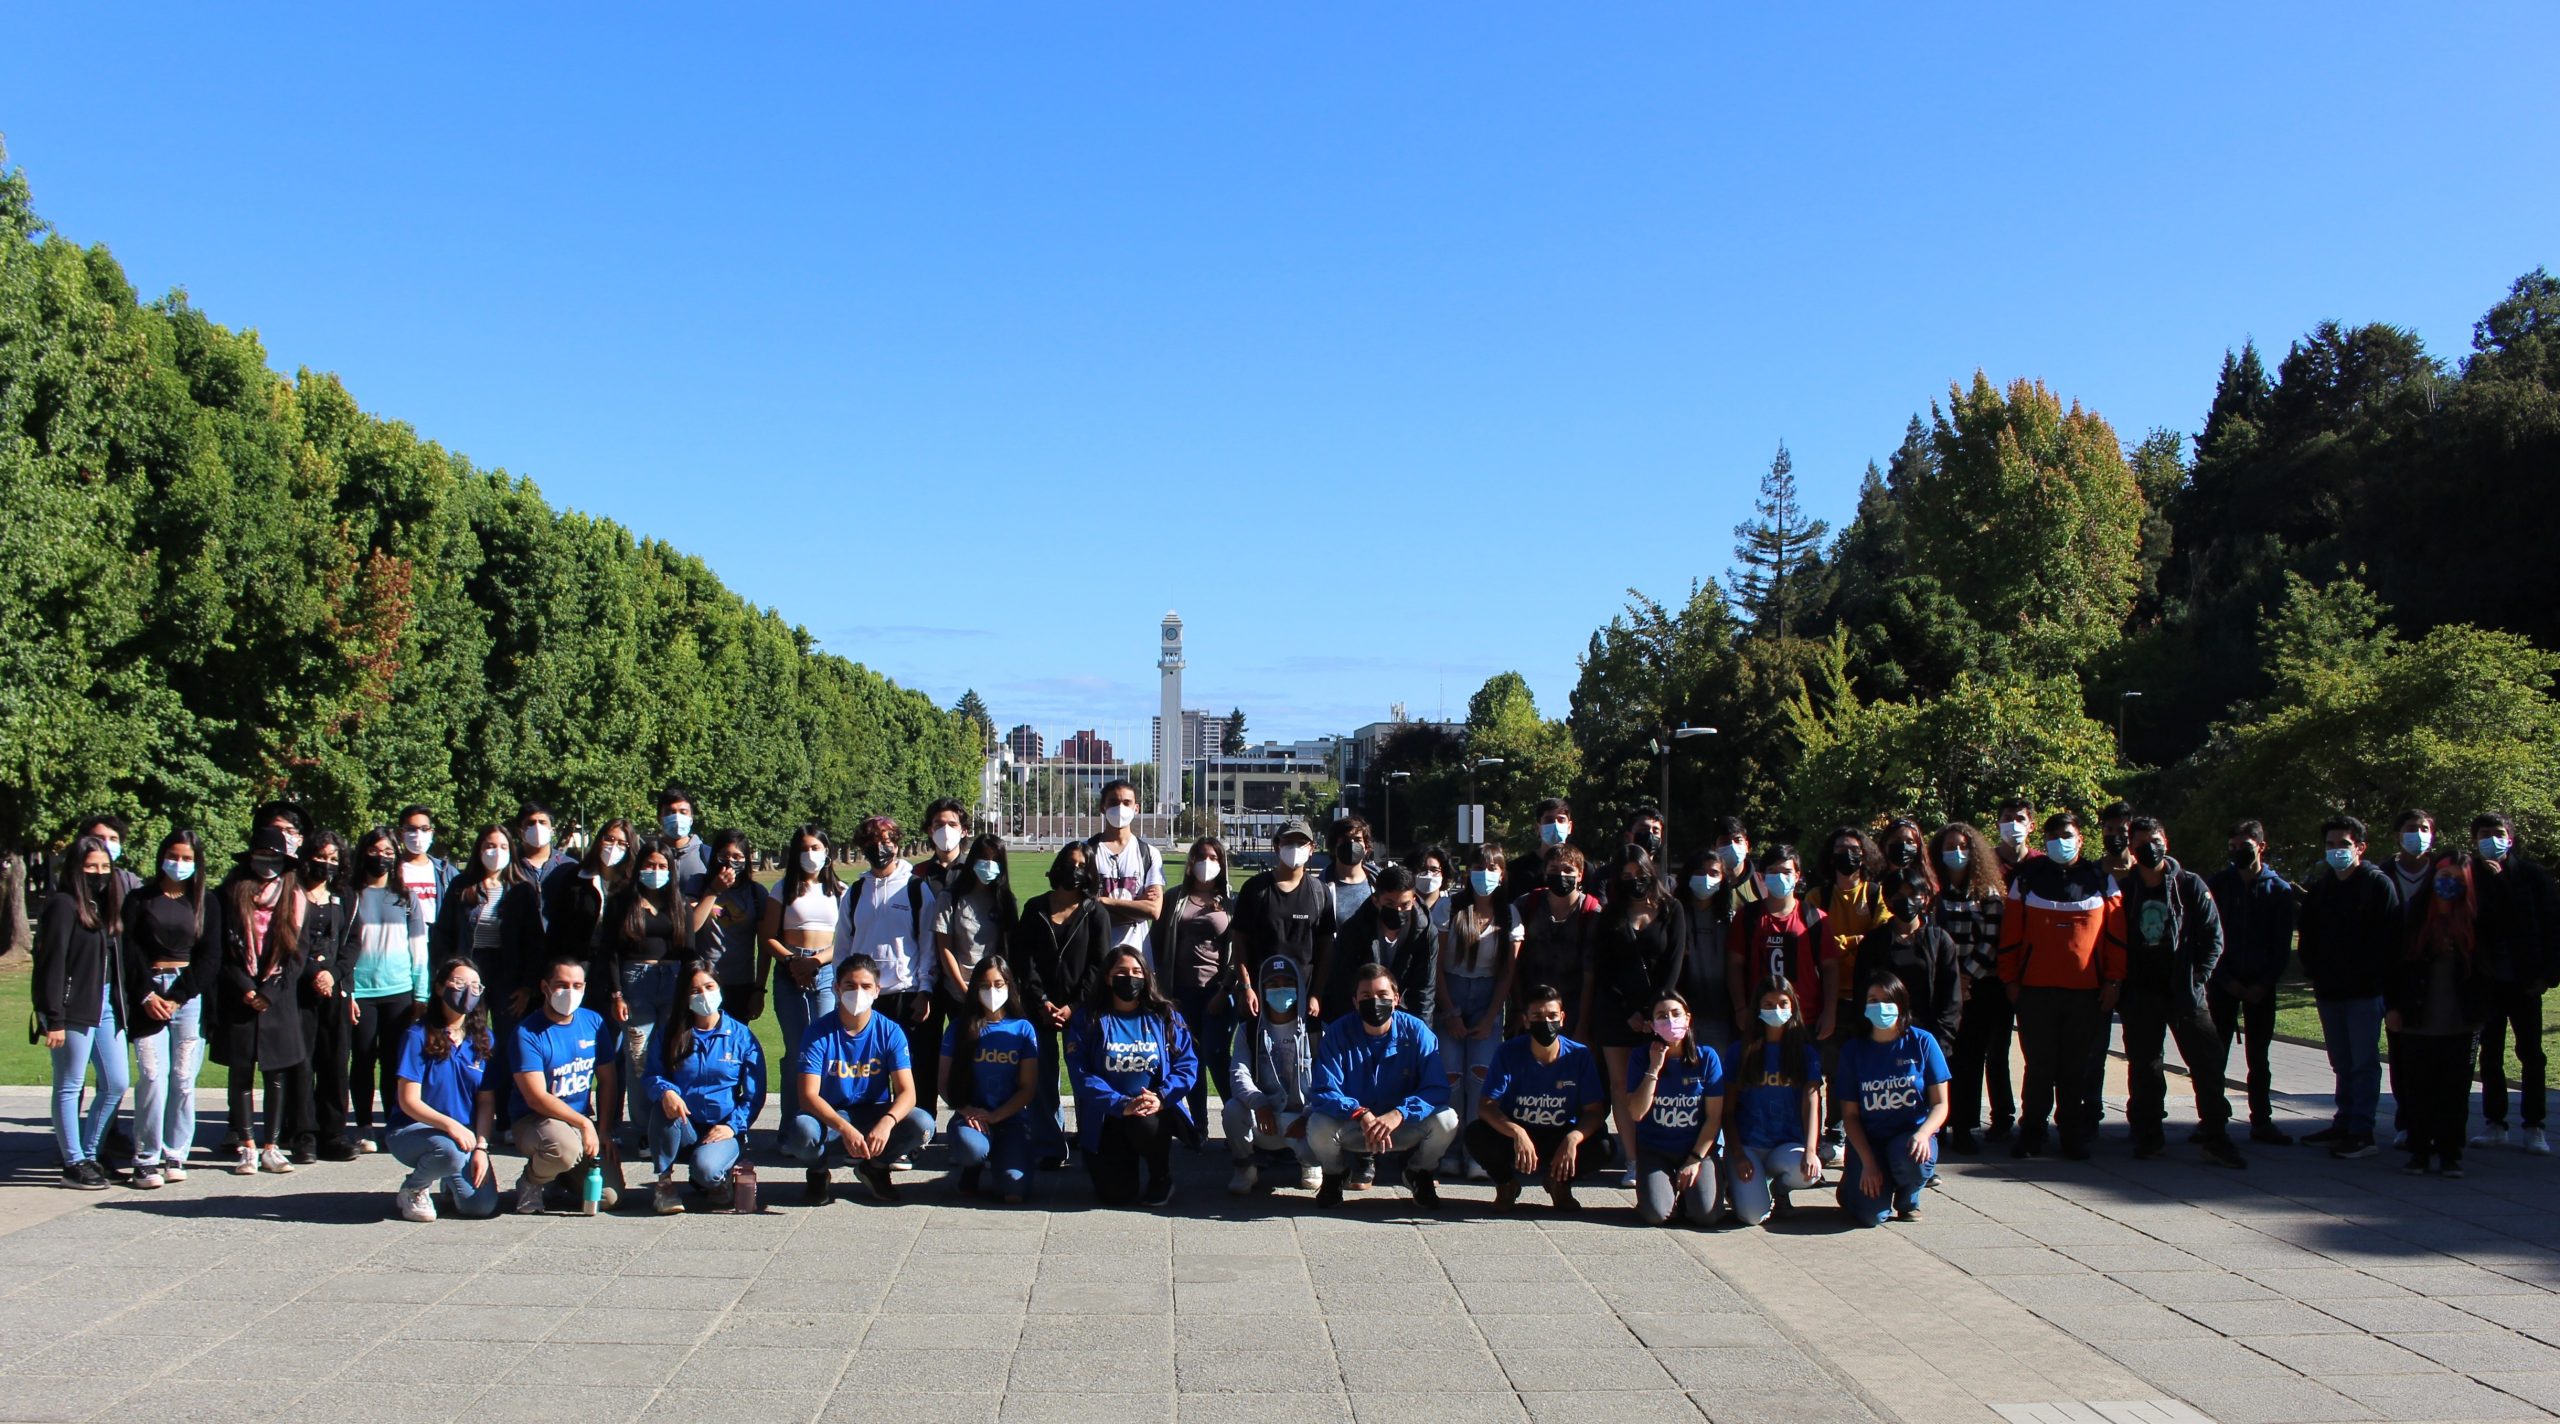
(2301, 1289)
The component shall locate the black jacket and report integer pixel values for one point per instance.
(2350, 932)
(1928, 966)
(1058, 964)
(572, 907)
(1630, 973)
(239, 1037)
(2411, 982)
(2258, 910)
(2194, 935)
(76, 968)
(517, 961)
(1415, 959)
(203, 955)
(2519, 925)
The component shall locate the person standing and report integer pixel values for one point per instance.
(1350, 877)
(1714, 889)
(1389, 928)
(1554, 818)
(422, 872)
(1128, 873)
(2257, 908)
(2016, 830)
(1134, 1064)
(945, 866)
(173, 931)
(1284, 910)
(854, 1092)
(889, 917)
(328, 931)
(1910, 946)
(1636, 947)
(1477, 956)
(534, 849)
(2519, 954)
(491, 914)
(799, 935)
(1779, 936)
(2174, 945)
(1435, 885)
(687, 856)
(257, 1026)
(441, 1107)
(1546, 1096)
(1675, 1094)
(645, 937)
(1272, 1081)
(706, 1085)
(2436, 996)
(2350, 937)
(1197, 941)
(1557, 925)
(2413, 869)
(725, 909)
(85, 981)
(1972, 896)
(2062, 954)
(564, 1071)
(1060, 944)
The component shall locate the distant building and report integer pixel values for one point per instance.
(1203, 734)
(1085, 748)
(1025, 743)
(1360, 749)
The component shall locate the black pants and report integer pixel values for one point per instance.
(2062, 1032)
(2150, 1016)
(2255, 1024)
(1494, 1149)
(1982, 1055)
(324, 1118)
(372, 1057)
(1129, 1143)
(288, 1095)
(924, 1041)
(2520, 1006)
(2434, 1091)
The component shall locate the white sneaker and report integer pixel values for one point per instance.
(246, 1164)
(2536, 1143)
(1831, 1151)
(528, 1195)
(1310, 1178)
(1241, 1184)
(173, 1172)
(2490, 1135)
(273, 1160)
(415, 1204)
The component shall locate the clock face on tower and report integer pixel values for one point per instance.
(1173, 635)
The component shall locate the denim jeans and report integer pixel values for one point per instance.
(647, 988)
(807, 1141)
(1658, 1196)
(1903, 1180)
(1468, 1059)
(671, 1138)
(431, 1156)
(75, 1136)
(1773, 1170)
(795, 1008)
(1213, 1023)
(2353, 1030)
(1006, 1146)
(164, 1090)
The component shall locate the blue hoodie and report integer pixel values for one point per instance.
(722, 1081)
(1115, 1057)
(1399, 1069)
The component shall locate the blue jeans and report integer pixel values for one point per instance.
(2353, 1030)
(1903, 1180)
(1468, 1059)
(807, 1141)
(431, 1156)
(647, 989)
(74, 1137)
(795, 1008)
(670, 1138)
(164, 1090)
(1007, 1145)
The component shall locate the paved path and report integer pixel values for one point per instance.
(2301, 1289)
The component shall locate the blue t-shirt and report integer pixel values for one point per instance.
(856, 1067)
(1891, 1080)
(565, 1055)
(1537, 1094)
(1002, 1047)
(1767, 1110)
(1133, 1051)
(1679, 1098)
(449, 1085)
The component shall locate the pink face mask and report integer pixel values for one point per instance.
(1671, 1031)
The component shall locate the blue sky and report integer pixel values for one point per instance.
(1390, 344)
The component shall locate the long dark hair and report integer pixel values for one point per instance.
(1482, 909)
(1623, 906)
(1151, 1000)
(2448, 923)
(471, 885)
(675, 1031)
(667, 899)
(795, 881)
(1980, 879)
(95, 912)
(282, 952)
(319, 840)
(990, 847)
(191, 889)
(609, 878)
(1687, 1052)
(959, 1072)
(440, 1016)
(1216, 847)
(392, 880)
(1795, 1048)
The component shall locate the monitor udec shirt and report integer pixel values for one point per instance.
(855, 1067)
(565, 1055)
(1536, 1094)
(1679, 1098)
(1891, 1080)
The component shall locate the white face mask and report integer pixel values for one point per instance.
(813, 860)
(611, 855)
(857, 1002)
(1205, 870)
(564, 1002)
(495, 858)
(1426, 884)
(536, 836)
(946, 839)
(1294, 856)
(416, 842)
(706, 1003)
(2013, 833)
(1118, 814)
(993, 996)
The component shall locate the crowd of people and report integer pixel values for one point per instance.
(1717, 1033)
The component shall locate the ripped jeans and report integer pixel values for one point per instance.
(1468, 1059)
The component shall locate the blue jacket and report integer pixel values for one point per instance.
(1177, 1068)
(2257, 925)
(722, 1081)
(1398, 1069)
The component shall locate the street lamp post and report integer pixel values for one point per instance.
(2122, 698)
(1661, 745)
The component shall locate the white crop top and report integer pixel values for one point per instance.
(814, 910)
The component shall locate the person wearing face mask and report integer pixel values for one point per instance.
(2257, 908)
(1350, 877)
(1545, 1097)
(1971, 896)
(442, 1105)
(974, 916)
(889, 915)
(256, 1025)
(1128, 872)
(2350, 935)
(2437, 995)
(1271, 1079)
(109, 829)
(1635, 956)
(1675, 1095)
(87, 978)
(2519, 957)
(1380, 1088)
(706, 1084)
(1058, 947)
(1912, 948)
(1131, 1056)
(2413, 867)
(2174, 946)
(1477, 956)
(1435, 885)
(1773, 1107)
(422, 872)
(1557, 926)
(1389, 929)
(2062, 954)
(993, 1078)
(573, 903)
(321, 1003)
(2015, 832)
(2115, 839)
(798, 933)
(643, 956)
(1554, 820)
(1903, 847)
(1284, 910)
(564, 1072)
(491, 914)
(1779, 936)
(854, 1092)
(1850, 895)
(687, 856)
(173, 935)
(725, 908)
(1643, 831)
(1716, 884)
(1893, 1095)
(1197, 939)
(945, 866)
(387, 981)
(535, 834)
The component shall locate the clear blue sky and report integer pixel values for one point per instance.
(1388, 343)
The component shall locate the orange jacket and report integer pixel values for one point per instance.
(2063, 927)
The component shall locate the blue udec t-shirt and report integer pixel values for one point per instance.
(856, 1067)
(1536, 1094)
(1891, 1080)
(450, 1084)
(1679, 1098)
(1133, 1051)
(995, 1074)
(565, 1055)
(1768, 1111)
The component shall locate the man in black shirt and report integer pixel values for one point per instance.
(2173, 941)
(1285, 911)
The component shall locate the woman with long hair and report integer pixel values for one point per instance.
(1635, 960)
(1195, 944)
(320, 1002)
(1058, 949)
(2434, 1001)
(387, 980)
(442, 1105)
(1675, 1094)
(992, 1058)
(1972, 892)
(174, 931)
(1476, 959)
(1892, 1091)
(646, 940)
(83, 1000)
(706, 1087)
(491, 914)
(573, 902)
(1773, 1107)
(1134, 1066)
(1845, 886)
(972, 918)
(257, 1026)
(799, 935)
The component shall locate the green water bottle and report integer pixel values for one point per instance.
(590, 1187)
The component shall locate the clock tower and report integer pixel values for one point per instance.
(1169, 723)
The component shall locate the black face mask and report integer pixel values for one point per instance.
(1627, 890)
(1127, 987)
(98, 881)
(2245, 858)
(314, 873)
(1377, 1010)
(2151, 854)
(382, 864)
(1902, 907)
(2114, 841)
(1901, 853)
(882, 854)
(265, 867)
(1080, 880)
(1545, 1031)
(1848, 860)
(461, 1000)
(1564, 882)
(1649, 843)
(1348, 854)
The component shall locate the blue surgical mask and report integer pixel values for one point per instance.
(2063, 849)
(181, 871)
(986, 871)
(1702, 886)
(1775, 1018)
(2416, 842)
(676, 824)
(1884, 1015)
(653, 879)
(1779, 884)
(1732, 853)
(1952, 857)
(2448, 887)
(2494, 847)
(1551, 833)
(2342, 857)
(1484, 882)
(1282, 1001)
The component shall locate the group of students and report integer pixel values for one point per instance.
(1720, 1033)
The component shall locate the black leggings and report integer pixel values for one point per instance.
(288, 1089)
(1126, 1143)
(373, 1051)
(1498, 1154)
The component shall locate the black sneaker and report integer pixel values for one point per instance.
(2000, 1130)
(1961, 1140)
(338, 1150)
(2270, 1134)
(2349, 1148)
(2030, 1143)
(1056, 1162)
(2195, 1135)
(1425, 1189)
(1365, 1175)
(2219, 1151)
(2416, 1166)
(85, 1176)
(882, 1188)
(302, 1155)
(1329, 1195)
(1562, 1198)
(969, 1180)
(820, 1187)
(2326, 1137)
(2151, 1145)
(1158, 1192)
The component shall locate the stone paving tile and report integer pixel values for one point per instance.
(1213, 1371)
(2325, 1357)
(2440, 1396)
(1584, 1371)
(1262, 1409)
(1616, 1407)
(2263, 1317)
(693, 1406)
(870, 1406)
(2402, 1315)
(2288, 1400)
(2188, 1360)
(914, 1371)
(1439, 1407)
(2480, 1352)
(719, 1367)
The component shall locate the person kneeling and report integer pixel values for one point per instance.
(1380, 1087)
(1893, 1095)
(559, 1080)
(991, 1073)
(856, 1091)
(439, 1084)
(1773, 1100)
(708, 1087)
(1270, 1080)
(1544, 1097)
(1134, 1065)
(1675, 1097)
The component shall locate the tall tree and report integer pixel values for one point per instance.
(1778, 552)
(1233, 743)
(972, 708)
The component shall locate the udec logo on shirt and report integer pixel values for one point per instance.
(1131, 1056)
(1545, 1109)
(1887, 1095)
(854, 1070)
(1678, 1109)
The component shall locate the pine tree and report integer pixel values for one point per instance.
(1233, 745)
(973, 708)
(1778, 552)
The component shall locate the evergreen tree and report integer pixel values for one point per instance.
(1233, 743)
(973, 708)
(1779, 553)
